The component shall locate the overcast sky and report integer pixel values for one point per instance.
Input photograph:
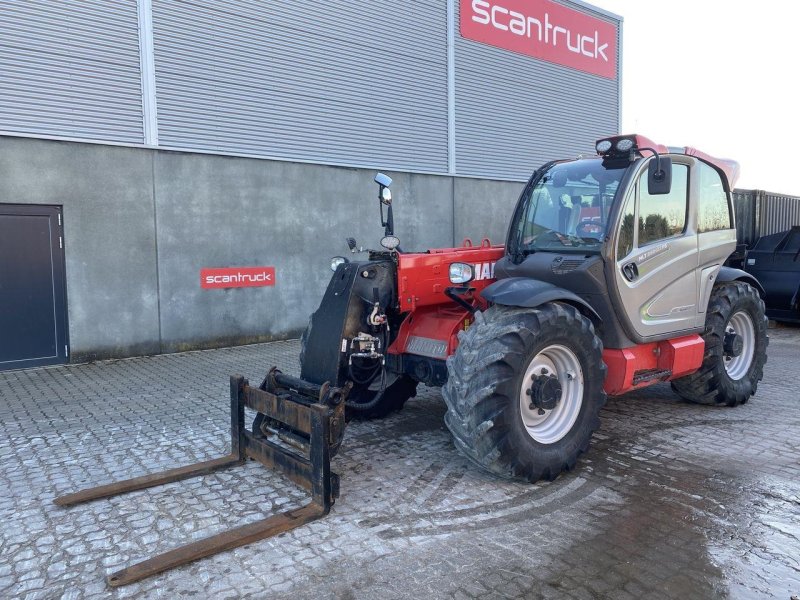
(723, 77)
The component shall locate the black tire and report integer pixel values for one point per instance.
(483, 389)
(711, 384)
(393, 399)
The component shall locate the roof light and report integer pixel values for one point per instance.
(624, 144)
(603, 146)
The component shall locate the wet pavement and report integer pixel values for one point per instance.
(673, 500)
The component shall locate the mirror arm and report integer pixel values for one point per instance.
(389, 225)
(388, 221)
(380, 207)
(658, 160)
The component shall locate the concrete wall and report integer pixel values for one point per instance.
(139, 225)
(109, 238)
(483, 208)
(215, 211)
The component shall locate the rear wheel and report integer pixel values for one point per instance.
(524, 390)
(736, 348)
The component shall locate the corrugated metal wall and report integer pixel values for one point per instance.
(344, 82)
(778, 212)
(759, 213)
(514, 113)
(71, 68)
(360, 83)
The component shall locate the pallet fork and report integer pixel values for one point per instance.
(314, 415)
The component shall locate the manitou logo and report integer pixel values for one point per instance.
(545, 30)
(233, 277)
(483, 271)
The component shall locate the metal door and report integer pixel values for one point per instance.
(33, 303)
(657, 278)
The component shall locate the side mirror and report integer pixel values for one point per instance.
(351, 243)
(383, 180)
(385, 199)
(659, 176)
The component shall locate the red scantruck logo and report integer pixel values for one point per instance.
(544, 30)
(234, 277)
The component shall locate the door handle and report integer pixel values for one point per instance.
(630, 271)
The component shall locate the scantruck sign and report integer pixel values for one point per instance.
(544, 30)
(233, 277)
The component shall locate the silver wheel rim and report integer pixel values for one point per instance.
(741, 324)
(554, 424)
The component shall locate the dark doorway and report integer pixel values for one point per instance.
(33, 300)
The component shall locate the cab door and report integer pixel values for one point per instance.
(655, 268)
(716, 236)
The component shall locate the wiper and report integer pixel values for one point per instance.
(519, 254)
(565, 240)
(576, 240)
(568, 240)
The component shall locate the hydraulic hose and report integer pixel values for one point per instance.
(372, 403)
(379, 366)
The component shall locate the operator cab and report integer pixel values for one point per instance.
(639, 232)
(567, 204)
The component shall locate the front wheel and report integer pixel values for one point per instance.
(736, 348)
(524, 390)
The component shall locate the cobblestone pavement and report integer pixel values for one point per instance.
(673, 500)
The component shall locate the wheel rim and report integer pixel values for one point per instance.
(554, 424)
(741, 324)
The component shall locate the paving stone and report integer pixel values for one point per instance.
(672, 501)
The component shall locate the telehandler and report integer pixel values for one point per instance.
(611, 279)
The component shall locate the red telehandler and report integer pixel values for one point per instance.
(611, 279)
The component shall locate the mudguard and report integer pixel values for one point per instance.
(727, 274)
(530, 293)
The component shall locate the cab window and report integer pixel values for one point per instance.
(663, 216)
(625, 239)
(713, 212)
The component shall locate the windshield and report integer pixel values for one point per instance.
(567, 208)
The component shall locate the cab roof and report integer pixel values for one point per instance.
(730, 168)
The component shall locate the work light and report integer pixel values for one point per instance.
(336, 261)
(603, 146)
(624, 144)
(461, 273)
(390, 242)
